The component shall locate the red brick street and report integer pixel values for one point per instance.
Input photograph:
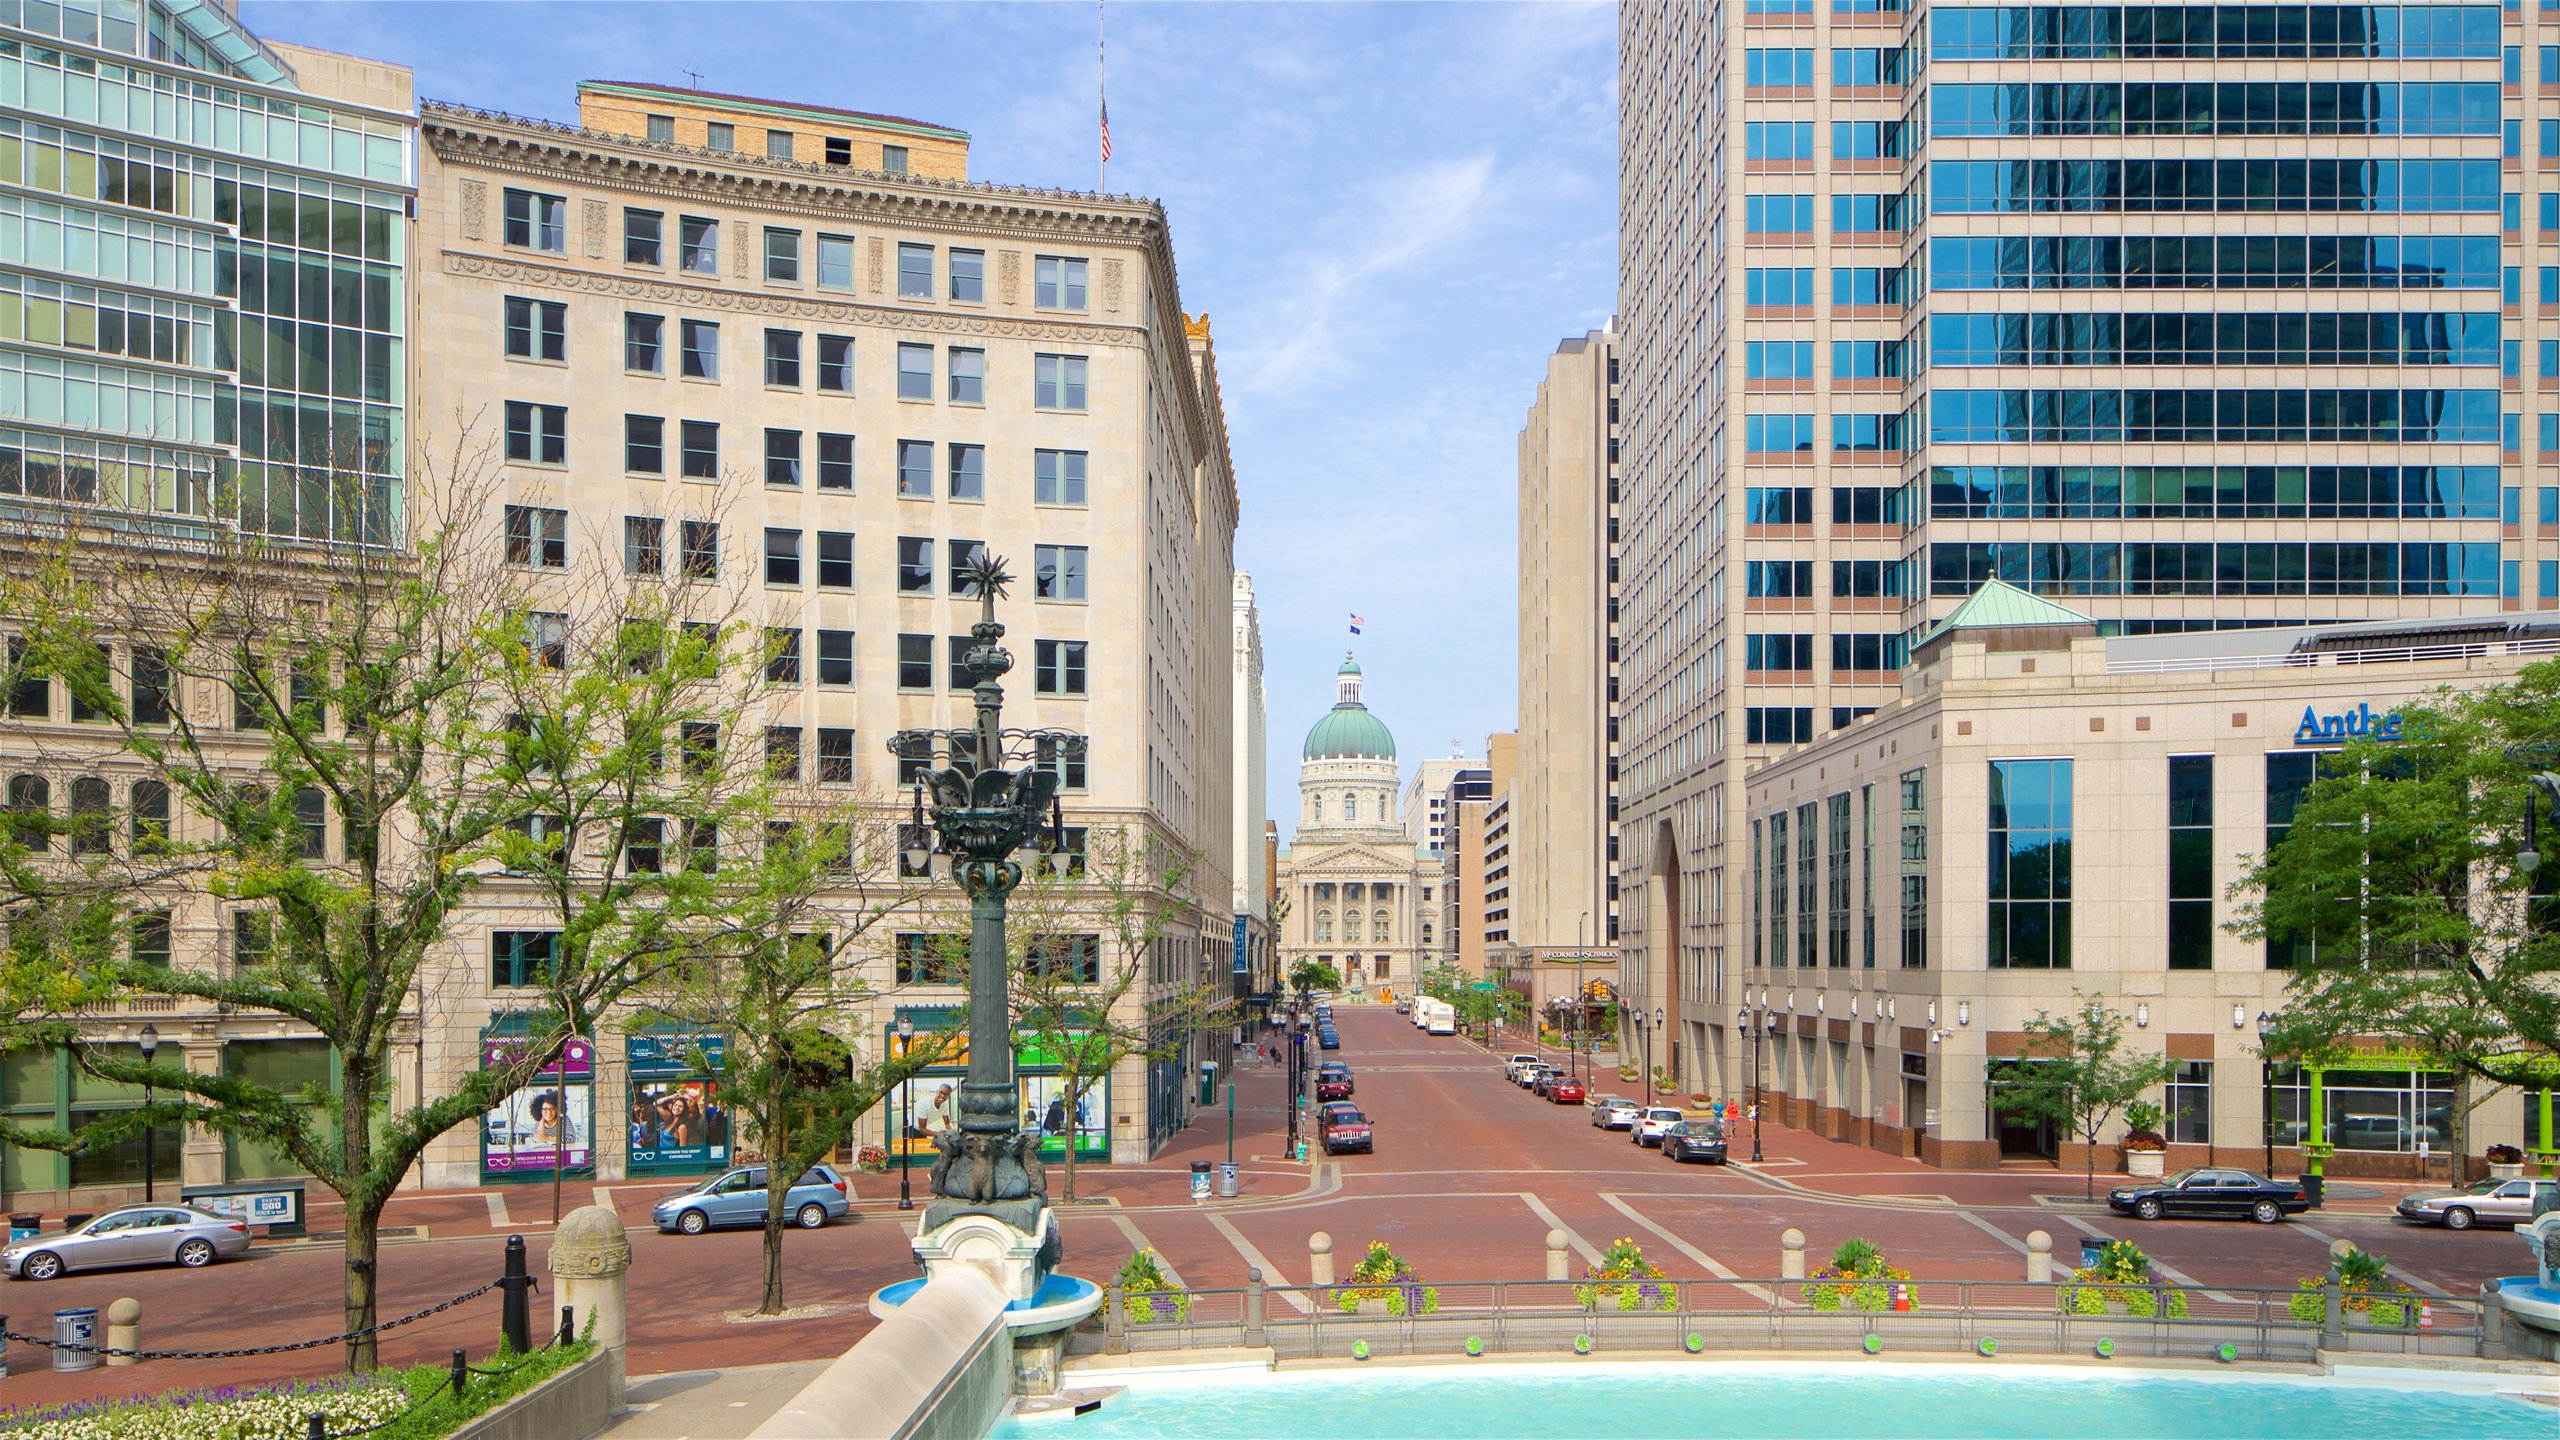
(1470, 1174)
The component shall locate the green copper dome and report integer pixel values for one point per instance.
(1350, 732)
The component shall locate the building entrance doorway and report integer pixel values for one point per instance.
(2021, 1137)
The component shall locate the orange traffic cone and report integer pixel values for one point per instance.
(2426, 1316)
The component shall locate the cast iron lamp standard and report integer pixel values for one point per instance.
(2267, 1121)
(906, 1039)
(150, 1046)
(982, 812)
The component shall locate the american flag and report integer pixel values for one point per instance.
(1106, 130)
(1356, 623)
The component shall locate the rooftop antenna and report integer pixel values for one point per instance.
(696, 77)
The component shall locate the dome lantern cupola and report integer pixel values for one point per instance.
(1349, 731)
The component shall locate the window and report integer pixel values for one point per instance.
(969, 275)
(1057, 382)
(915, 662)
(91, 831)
(2029, 926)
(1057, 477)
(968, 384)
(893, 159)
(644, 237)
(701, 350)
(915, 372)
(915, 271)
(644, 343)
(662, 128)
(154, 692)
(1057, 572)
(698, 746)
(777, 144)
(701, 558)
(537, 329)
(1793, 68)
(835, 461)
(963, 554)
(2190, 1103)
(644, 847)
(915, 469)
(1777, 360)
(839, 150)
(1777, 215)
(782, 358)
(915, 565)
(782, 752)
(548, 633)
(782, 457)
(1786, 140)
(1063, 756)
(835, 560)
(835, 262)
(782, 651)
(644, 545)
(311, 817)
(2190, 862)
(537, 434)
(1057, 283)
(519, 958)
(835, 657)
(148, 810)
(700, 251)
(968, 472)
(1763, 653)
(537, 222)
(835, 364)
(962, 677)
(782, 557)
(1777, 434)
(1915, 869)
(644, 444)
(1777, 287)
(1777, 724)
(782, 255)
(835, 755)
(701, 441)
(537, 538)
(1061, 666)
(721, 135)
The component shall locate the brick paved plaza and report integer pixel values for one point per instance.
(1469, 1175)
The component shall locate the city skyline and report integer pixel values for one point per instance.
(1380, 324)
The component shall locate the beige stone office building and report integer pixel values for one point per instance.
(1255, 962)
(1464, 801)
(795, 351)
(1892, 959)
(1912, 298)
(1362, 897)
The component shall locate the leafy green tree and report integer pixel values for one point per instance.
(2395, 898)
(1309, 976)
(2076, 1072)
(1484, 1009)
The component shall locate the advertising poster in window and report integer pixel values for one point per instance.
(921, 1109)
(677, 1121)
(1045, 1109)
(544, 1125)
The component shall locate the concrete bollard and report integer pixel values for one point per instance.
(1256, 1307)
(2340, 1250)
(2039, 1257)
(1791, 1254)
(590, 1258)
(1557, 1245)
(1319, 1259)
(124, 1329)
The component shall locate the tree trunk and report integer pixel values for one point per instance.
(362, 1245)
(2089, 1162)
(777, 1194)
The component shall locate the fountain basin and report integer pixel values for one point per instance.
(2530, 1299)
(1060, 1302)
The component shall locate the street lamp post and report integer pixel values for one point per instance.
(982, 813)
(906, 1122)
(150, 1132)
(2266, 1094)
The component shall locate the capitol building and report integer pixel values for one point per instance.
(1361, 896)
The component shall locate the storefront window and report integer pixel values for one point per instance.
(929, 1104)
(2393, 1110)
(283, 1065)
(678, 1122)
(2191, 1103)
(545, 1126)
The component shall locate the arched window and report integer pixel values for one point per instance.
(1378, 927)
(1318, 817)
(1350, 805)
(30, 808)
(92, 833)
(1426, 932)
(1350, 927)
(150, 811)
(1324, 927)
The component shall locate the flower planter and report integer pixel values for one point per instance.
(2145, 1164)
(2498, 1171)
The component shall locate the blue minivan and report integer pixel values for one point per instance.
(737, 1198)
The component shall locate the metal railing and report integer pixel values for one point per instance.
(1519, 1317)
(2306, 659)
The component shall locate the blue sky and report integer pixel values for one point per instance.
(1391, 213)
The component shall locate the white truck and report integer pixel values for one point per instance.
(1437, 1017)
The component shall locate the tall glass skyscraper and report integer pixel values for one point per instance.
(202, 305)
(2191, 317)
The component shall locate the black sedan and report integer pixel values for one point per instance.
(2212, 1194)
(1694, 1140)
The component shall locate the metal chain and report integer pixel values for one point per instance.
(372, 1329)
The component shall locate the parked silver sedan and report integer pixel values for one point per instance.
(134, 1235)
(1614, 1112)
(2490, 1202)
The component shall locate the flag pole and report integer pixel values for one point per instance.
(1102, 93)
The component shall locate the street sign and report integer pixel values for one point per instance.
(1485, 985)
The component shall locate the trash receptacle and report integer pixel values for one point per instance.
(1226, 1179)
(1199, 1179)
(2092, 1247)
(1208, 1082)
(2312, 1185)
(75, 1327)
(25, 1225)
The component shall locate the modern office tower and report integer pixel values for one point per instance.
(204, 315)
(2189, 317)
(1563, 803)
(1463, 802)
(1426, 813)
(821, 383)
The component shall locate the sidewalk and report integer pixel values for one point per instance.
(706, 1403)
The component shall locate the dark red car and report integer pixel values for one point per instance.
(1342, 1127)
(1333, 1081)
(1566, 1091)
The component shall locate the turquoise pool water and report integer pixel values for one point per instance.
(1703, 1399)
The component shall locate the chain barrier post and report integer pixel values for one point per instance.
(516, 1318)
(568, 1324)
(461, 1369)
(319, 1427)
